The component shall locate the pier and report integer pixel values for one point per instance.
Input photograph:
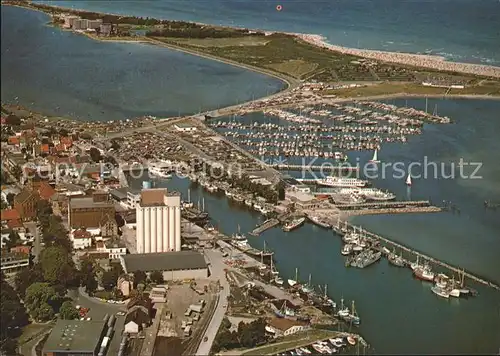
(265, 226)
(324, 167)
(429, 259)
(385, 205)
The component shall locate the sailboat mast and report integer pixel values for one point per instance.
(296, 274)
(189, 195)
(203, 204)
(426, 104)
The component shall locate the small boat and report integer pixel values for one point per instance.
(278, 280)
(318, 221)
(293, 282)
(248, 202)
(343, 311)
(351, 340)
(408, 180)
(440, 292)
(375, 159)
(346, 250)
(293, 224)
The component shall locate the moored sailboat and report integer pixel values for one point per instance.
(375, 158)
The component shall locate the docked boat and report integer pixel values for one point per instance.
(351, 340)
(160, 171)
(408, 180)
(366, 258)
(396, 260)
(278, 280)
(293, 282)
(238, 198)
(346, 250)
(377, 195)
(339, 182)
(442, 292)
(424, 273)
(248, 202)
(352, 316)
(307, 288)
(293, 224)
(318, 221)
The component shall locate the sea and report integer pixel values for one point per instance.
(61, 73)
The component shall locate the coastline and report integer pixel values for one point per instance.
(411, 59)
(402, 58)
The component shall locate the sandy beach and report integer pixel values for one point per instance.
(426, 61)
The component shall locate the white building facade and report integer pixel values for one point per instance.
(158, 222)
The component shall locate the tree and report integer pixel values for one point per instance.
(10, 199)
(17, 172)
(27, 277)
(108, 280)
(13, 120)
(139, 277)
(156, 277)
(13, 317)
(44, 209)
(57, 266)
(95, 154)
(41, 300)
(90, 284)
(13, 240)
(68, 311)
(54, 233)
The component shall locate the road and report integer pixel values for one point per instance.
(97, 311)
(217, 267)
(37, 246)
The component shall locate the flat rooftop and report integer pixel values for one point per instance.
(88, 203)
(164, 261)
(77, 336)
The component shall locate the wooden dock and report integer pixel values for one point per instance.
(326, 168)
(422, 256)
(380, 211)
(266, 226)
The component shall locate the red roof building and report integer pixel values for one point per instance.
(45, 191)
(10, 214)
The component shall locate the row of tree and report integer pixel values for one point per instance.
(248, 335)
(199, 31)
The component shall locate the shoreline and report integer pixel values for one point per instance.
(437, 63)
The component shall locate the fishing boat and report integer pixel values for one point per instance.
(346, 250)
(442, 292)
(293, 282)
(424, 273)
(318, 221)
(375, 158)
(239, 236)
(408, 180)
(343, 310)
(396, 260)
(307, 288)
(416, 264)
(293, 224)
(353, 316)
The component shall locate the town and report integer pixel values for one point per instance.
(105, 266)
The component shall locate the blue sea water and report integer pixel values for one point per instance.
(62, 73)
(459, 30)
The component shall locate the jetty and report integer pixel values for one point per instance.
(324, 167)
(269, 224)
(421, 256)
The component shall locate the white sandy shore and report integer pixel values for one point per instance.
(419, 60)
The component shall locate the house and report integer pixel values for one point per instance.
(125, 285)
(136, 320)
(9, 215)
(81, 239)
(184, 127)
(25, 204)
(284, 327)
(115, 249)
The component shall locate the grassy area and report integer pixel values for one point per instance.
(293, 57)
(291, 342)
(415, 89)
(294, 67)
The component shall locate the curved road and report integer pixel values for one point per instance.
(217, 269)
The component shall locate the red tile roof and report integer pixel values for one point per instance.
(13, 140)
(10, 214)
(46, 191)
(81, 234)
(13, 224)
(44, 148)
(21, 249)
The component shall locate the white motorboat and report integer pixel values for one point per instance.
(346, 249)
(278, 280)
(440, 292)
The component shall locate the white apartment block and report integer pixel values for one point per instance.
(158, 216)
